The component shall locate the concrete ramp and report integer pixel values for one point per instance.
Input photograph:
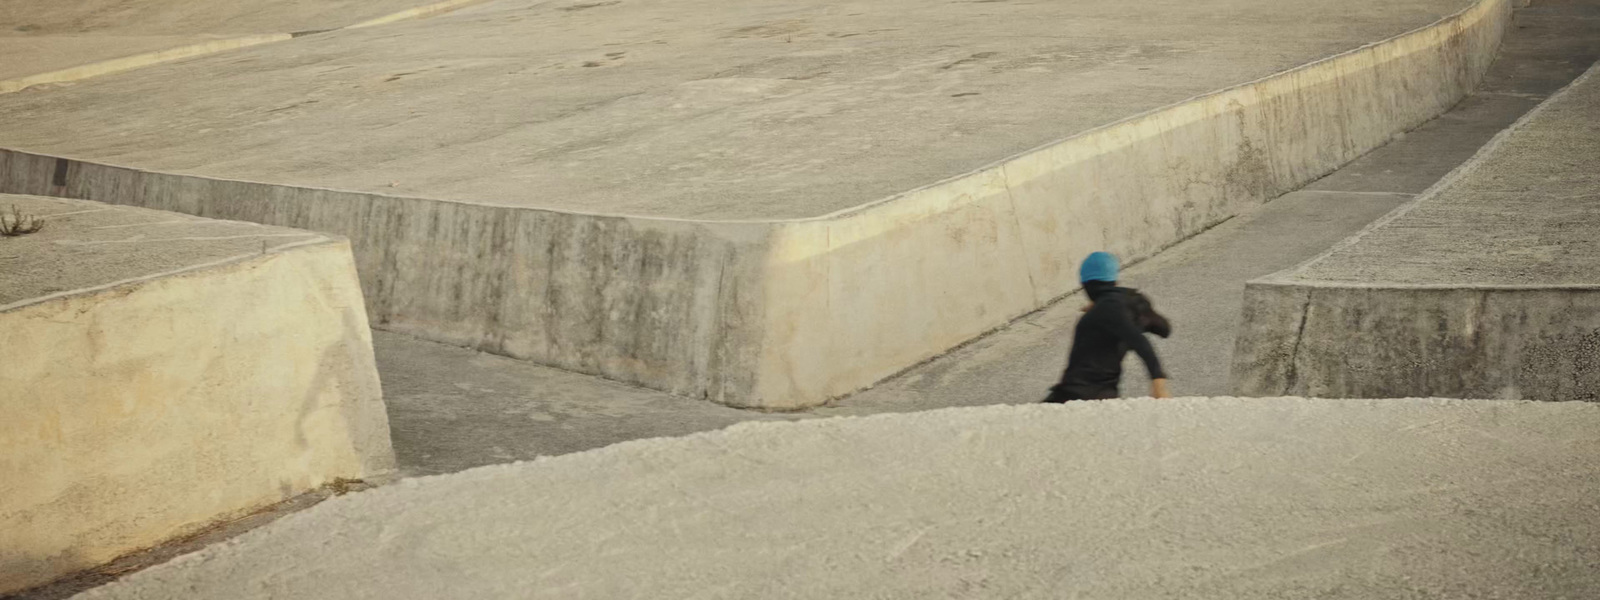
(1223, 498)
(1487, 286)
(161, 372)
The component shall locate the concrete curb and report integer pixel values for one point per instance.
(790, 313)
(413, 13)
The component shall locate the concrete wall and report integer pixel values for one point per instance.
(788, 314)
(1327, 341)
(1485, 286)
(147, 409)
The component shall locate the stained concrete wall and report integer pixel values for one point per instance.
(1540, 343)
(787, 314)
(143, 400)
(1486, 286)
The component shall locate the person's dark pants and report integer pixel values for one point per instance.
(1061, 393)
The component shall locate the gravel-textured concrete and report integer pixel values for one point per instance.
(690, 109)
(1141, 499)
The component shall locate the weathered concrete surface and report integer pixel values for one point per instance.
(1190, 498)
(687, 109)
(162, 372)
(452, 408)
(1488, 286)
(778, 314)
(44, 42)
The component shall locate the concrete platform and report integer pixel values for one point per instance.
(776, 109)
(1189, 498)
(1488, 286)
(54, 42)
(776, 312)
(163, 372)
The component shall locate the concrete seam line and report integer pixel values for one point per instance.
(128, 63)
(1438, 187)
(412, 13)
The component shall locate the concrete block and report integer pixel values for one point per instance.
(1486, 286)
(161, 372)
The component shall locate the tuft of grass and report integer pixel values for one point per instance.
(16, 223)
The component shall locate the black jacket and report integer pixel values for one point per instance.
(1104, 335)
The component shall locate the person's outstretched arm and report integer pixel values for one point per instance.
(1126, 330)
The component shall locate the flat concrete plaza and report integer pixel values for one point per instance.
(690, 109)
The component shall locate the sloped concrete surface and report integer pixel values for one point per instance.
(1190, 498)
(1488, 286)
(160, 373)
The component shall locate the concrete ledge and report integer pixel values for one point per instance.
(787, 314)
(224, 43)
(1189, 498)
(128, 63)
(415, 13)
(1486, 286)
(163, 372)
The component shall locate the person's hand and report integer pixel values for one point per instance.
(1086, 307)
(1158, 388)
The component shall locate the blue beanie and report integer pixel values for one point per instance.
(1100, 266)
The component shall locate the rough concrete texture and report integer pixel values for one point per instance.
(1485, 287)
(162, 372)
(1189, 498)
(452, 408)
(54, 42)
(778, 314)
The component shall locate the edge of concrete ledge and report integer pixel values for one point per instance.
(417, 12)
(1286, 276)
(136, 61)
(238, 258)
(128, 63)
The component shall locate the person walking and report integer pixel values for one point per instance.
(1114, 323)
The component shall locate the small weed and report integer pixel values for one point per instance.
(16, 223)
(341, 486)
